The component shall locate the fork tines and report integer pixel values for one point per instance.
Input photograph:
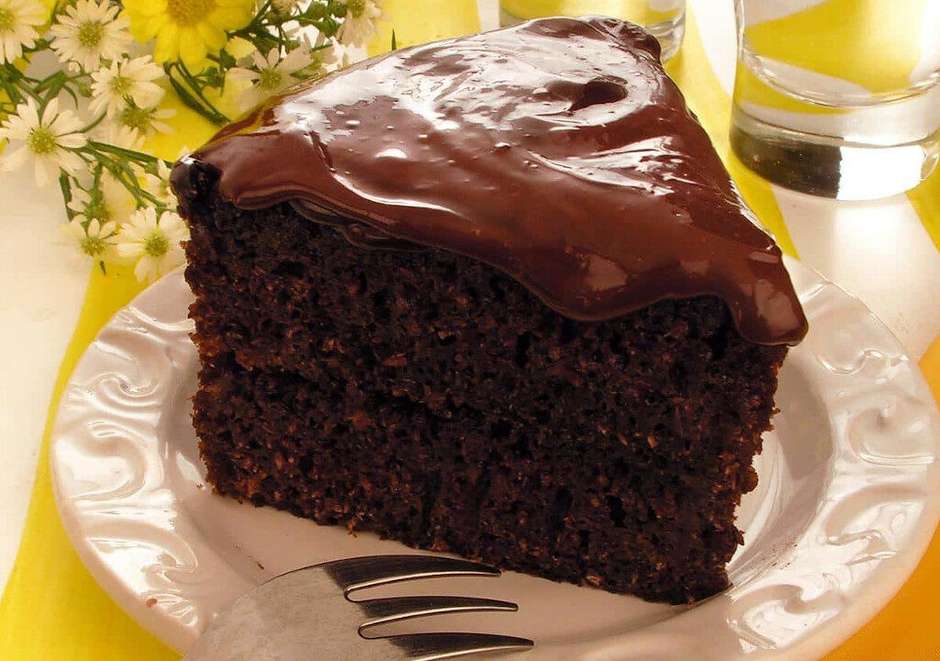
(365, 572)
(307, 614)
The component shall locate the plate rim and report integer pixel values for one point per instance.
(853, 615)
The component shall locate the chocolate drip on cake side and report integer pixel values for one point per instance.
(557, 151)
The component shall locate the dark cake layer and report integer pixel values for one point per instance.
(435, 400)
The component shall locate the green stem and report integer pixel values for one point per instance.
(130, 154)
(126, 178)
(199, 102)
(94, 123)
(54, 84)
(11, 91)
(259, 37)
(258, 21)
(29, 92)
(124, 174)
(193, 102)
(39, 45)
(48, 81)
(21, 86)
(66, 194)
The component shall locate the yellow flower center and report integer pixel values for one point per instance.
(135, 118)
(356, 7)
(121, 85)
(7, 20)
(41, 141)
(189, 12)
(97, 208)
(270, 79)
(90, 34)
(93, 245)
(156, 244)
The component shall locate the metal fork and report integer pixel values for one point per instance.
(307, 614)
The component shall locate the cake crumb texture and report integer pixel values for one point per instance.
(434, 400)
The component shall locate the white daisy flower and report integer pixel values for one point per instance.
(269, 75)
(126, 79)
(359, 23)
(89, 31)
(144, 122)
(93, 239)
(48, 141)
(158, 185)
(153, 243)
(110, 201)
(18, 22)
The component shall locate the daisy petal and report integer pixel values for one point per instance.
(49, 114)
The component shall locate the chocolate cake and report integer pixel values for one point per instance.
(493, 296)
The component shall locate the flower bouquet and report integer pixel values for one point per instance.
(83, 85)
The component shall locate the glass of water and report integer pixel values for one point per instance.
(664, 19)
(839, 98)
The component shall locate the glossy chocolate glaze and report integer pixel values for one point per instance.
(557, 150)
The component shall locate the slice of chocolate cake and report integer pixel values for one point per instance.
(494, 296)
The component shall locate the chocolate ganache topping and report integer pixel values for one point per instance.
(557, 151)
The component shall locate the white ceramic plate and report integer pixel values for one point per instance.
(846, 504)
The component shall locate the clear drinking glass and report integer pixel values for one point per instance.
(838, 98)
(664, 19)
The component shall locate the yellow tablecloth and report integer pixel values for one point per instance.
(53, 610)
